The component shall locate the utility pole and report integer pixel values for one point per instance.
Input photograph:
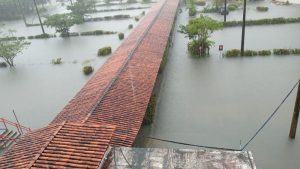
(37, 11)
(225, 7)
(294, 122)
(243, 29)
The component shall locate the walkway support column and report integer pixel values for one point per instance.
(243, 28)
(294, 122)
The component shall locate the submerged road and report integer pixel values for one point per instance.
(109, 109)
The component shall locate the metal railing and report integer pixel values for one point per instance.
(21, 129)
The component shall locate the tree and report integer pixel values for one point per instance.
(81, 7)
(199, 31)
(10, 47)
(62, 22)
(218, 3)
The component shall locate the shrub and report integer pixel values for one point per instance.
(148, 118)
(193, 47)
(121, 36)
(200, 2)
(41, 36)
(250, 53)
(192, 11)
(143, 13)
(232, 7)
(3, 65)
(21, 38)
(130, 26)
(233, 53)
(56, 61)
(96, 32)
(263, 21)
(210, 10)
(262, 8)
(282, 51)
(87, 70)
(136, 18)
(104, 51)
(146, 1)
(264, 53)
(131, 1)
(296, 51)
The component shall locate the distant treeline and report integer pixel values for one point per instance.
(13, 9)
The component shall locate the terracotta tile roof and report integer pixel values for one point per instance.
(66, 145)
(109, 109)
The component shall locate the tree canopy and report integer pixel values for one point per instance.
(199, 30)
(81, 7)
(63, 22)
(10, 47)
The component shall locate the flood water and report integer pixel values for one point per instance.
(38, 90)
(221, 102)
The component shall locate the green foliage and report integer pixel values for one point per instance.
(210, 9)
(296, 51)
(200, 2)
(218, 4)
(146, 1)
(191, 6)
(232, 7)
(63, 22)
(81, 7)
(250, 53)
(9, 49)
(56, 61)
(104, 51)
(282, 51)
(121, 36)
(131, 1)
(148, 118)
(233, 53)
(262, 8)
(96, 32)
(87, 70)
(264, 53)
(41, 36)
(199, 30)
(263, 22)
(130, 26)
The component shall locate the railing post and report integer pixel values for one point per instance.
(294, 122)
(4, 123)
(18, 125)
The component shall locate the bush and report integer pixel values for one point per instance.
(41, 36)
(136, 18)
(200, 2)
(146, 1)
(96, 32)
(264, 53)
(282, 51)
(131, 1)
(130, 26)
(56, 61)
(263, 21)
(296, 51)
(193, 47)
(210, 10)
(104, 51)
(250, 53)
(87, 70)
(3, 65)
(192, 11)
(232, 7)
(233, 53)
(143, 13)
(121, 36)
(262, 8)
(148, 118)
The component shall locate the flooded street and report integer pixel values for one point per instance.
(221, 102)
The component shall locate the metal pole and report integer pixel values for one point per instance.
(225, 7)
(294, 122)
(4, 124)
(243, 29)
(19, 126)
(37, 11)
